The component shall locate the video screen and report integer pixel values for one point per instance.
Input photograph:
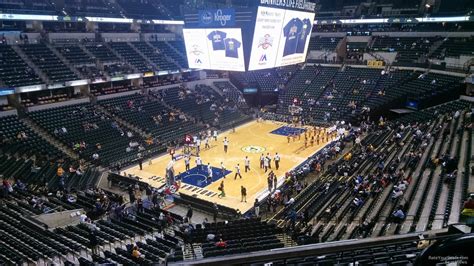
(215, 49)
(281, 38)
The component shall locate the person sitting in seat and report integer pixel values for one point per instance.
(136, 254)
(221, 243)
(468, 207)
(398, 215)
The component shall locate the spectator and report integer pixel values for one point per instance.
(398, 215)
(256, 206)
(221, 243)
(210, 237)
(93, 242)
(136, 254)
(396, 193)
(189, 214)
(468, 207)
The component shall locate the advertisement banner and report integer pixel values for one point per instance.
(266, 38)
(215, 48)
(217, 18)
(281, 38)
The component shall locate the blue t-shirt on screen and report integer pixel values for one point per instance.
(232, 48)
(303, 36)
(291, 31)
(217, 38)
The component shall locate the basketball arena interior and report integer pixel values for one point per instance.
(236, 132)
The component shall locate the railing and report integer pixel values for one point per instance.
(314, 249)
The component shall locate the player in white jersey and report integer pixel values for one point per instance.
(269, 157)
(199, 162)
(214, 134)
(223, 169)
(265, 163)
(226, 144)
(237, 172)
(247, 164)
(198, 145)
(206, 143)
(277, 160)
(187, 162)
(209, 173)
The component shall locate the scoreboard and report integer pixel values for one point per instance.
(281, 37)
(216, 48)
(267, 35)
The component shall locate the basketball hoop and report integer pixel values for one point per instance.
(190, 150)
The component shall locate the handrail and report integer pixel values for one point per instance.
(313, 249)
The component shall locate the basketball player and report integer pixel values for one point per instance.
(223, 169)
(221, 189)
(288, 137)
(186, 162)
(206, 143)
(199, 162)
(262, 159)
(311, 142)
(209, 173)
(226, 144)
(198, 145)
(215, 135)
(269, 157)
(237, 172)
(277, 160)
(243, 193)
(265, 164)
(247, 164)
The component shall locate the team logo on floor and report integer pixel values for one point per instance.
(253, 149)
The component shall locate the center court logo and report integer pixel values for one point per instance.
(253, 149)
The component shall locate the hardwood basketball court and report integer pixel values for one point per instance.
(251, 139)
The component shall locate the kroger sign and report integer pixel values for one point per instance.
(217, 17)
